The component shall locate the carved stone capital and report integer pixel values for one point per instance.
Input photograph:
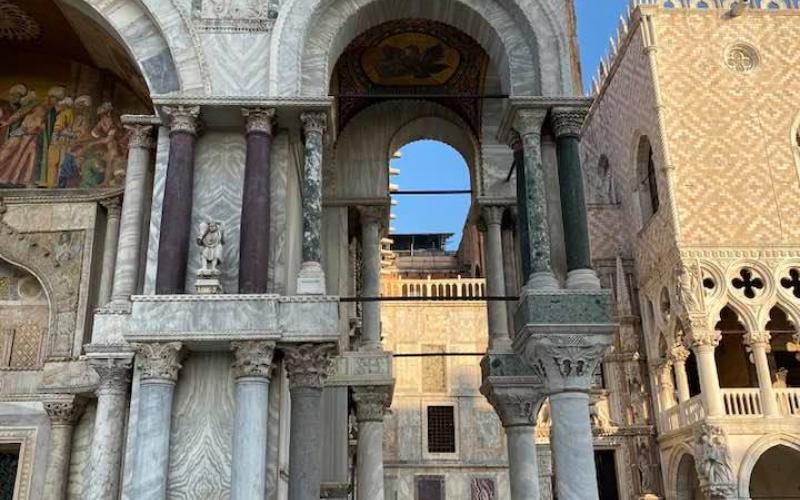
(65, 410)
(113, 207)
(704, 338)
(183, 118)
(529, 122)
(758, 339)
(373, 214)
(253, 358)
(141, 136)
(566, 362)
(159, 361)
(568, 122)
(314, 122)
(492, 214)
(308, 364)
(259, 120)
(515, 405)
(114, 373)
(372, 402)
(679, 353)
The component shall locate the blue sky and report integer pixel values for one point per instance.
(432, 165)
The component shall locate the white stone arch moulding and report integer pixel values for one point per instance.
(145, 35)
(754, 453)
(673, 469)
(309, 36)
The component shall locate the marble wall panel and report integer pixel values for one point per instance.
(281, 198)
(159, 179)
(218, 184)
(400, 481)
(202, 426)
(81, 445)
(240, 63)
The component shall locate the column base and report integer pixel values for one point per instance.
(583, 279)
(501, 345)
(544, 280)
(311, 279)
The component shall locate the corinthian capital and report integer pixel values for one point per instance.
(183, 118)
(308, 364)
(159, 361)
(529, 121)
(566, 362)
(373, 214)
(704, 337)
(114, 373)
(314, 122)
(64, 410)
(568, 121)
(253, 358)
(259, 119)
(492, 214)
(757, 338)
(140, 137)
(371, 402)
(515, 405)
(679, 353)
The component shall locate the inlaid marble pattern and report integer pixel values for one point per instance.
(202, 420)
(159, 179)
(241, 62)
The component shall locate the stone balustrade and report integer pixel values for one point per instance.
(454, 287)
(789, 401)
(742, 402)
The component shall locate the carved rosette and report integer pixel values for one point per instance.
(308, 364)
(140, 137)
(183, 118)
(114, 373)
(64, 411)
(566, 362)
(259, 120)
(159, 362)
(253, 358)
(516, 406)
(568, 122)
(372, 402)
(314, 122)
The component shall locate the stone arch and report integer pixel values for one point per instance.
(680, 461)
(58, 269)
(24, 333)
(754, 453)
(648, 197)
(310, 35)
(145, 28)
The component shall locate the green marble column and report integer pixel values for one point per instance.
(311, 279)
(528, 122)
(567, 125)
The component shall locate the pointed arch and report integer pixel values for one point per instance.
(755, 452)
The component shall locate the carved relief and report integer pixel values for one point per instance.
(235, 15)
(712, 460)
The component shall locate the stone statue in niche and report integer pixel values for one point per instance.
(211, 238)
(646, 468)
(713, 459)
(686, 290)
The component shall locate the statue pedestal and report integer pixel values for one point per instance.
(207, 283)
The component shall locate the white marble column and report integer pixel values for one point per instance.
(113, 212)
(704, 344)
(679, 355)
(64, 412)
(371, 404)
(499, 339)
(251, 368)
(666, 387)
(105, 455)
(126, 269)
(372, 221)
(307, 366)
(518, 408)
(158, 366)
(759, 344)
(311, 279)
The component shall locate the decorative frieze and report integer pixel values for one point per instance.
(159, 361)
(253, 358)
(308, 364)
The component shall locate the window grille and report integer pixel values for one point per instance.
(441, 429)
(9, 463)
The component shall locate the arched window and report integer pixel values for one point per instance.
(646, 177)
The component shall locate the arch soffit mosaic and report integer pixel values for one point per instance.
(754, 453)
(311, 34)
(145, 28)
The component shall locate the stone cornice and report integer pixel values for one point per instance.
(319, 103)
(26, 196)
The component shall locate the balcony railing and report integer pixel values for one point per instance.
(742, 402)
(455, 287)
(788, 401)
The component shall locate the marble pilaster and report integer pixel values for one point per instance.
(251, 368)
(254, 243)
(176, 215)
(158, 366)
(64, 412)
(113, 214)
(372, 221)
(311, 279)
(759, 343)
(126, 269)
(528, 123)
(371, 404)
(567, 124)
(492, 218)
(105, 456)
(307, 366)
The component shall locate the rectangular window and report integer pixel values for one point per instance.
(606, 466)
(441, 429)
(434, 370)
(9, 463)
(430, 487)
